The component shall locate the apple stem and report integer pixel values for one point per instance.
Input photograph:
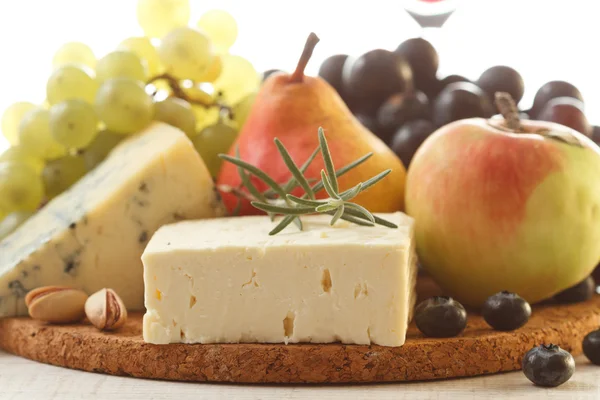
(508, 108)
(311, 42)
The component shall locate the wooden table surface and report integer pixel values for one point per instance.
(21, 379)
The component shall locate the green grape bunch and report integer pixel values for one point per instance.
(179, 72)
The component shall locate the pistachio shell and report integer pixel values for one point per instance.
(56, 304)
(105, 310)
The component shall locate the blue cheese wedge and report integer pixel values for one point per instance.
(228, 281)
(93, 235)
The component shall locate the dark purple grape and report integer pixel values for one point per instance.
(552, 90)
(401, 108)
(331, 70)
(423, 60)
(596, 134)
(440, 84)
(368, 122)
(409, 138)
(459, 101)
(566, 111)
(450, 79)
(373, 77)
(502, 79)
(270, 72)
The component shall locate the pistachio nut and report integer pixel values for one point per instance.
(56, 304)
(106, 310)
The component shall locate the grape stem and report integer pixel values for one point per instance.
(180, 93)
(508, 108)
(311, 42)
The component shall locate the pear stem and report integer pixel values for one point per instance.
(311, 42)
(508, 108)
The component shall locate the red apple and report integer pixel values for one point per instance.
(497, 209)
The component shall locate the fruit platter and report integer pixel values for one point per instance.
(171, 213)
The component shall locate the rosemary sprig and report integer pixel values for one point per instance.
(277, 199)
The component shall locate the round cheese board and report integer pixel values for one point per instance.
(478, 350)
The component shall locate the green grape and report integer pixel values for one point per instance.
(121, 64)
(196, 93)
(186, 53)
(220, 27)
(70, 82)
(213, 140)
(21, 187)
(124, 106)
(18, 154)
(74, 53)
(73, 123)
(59, 175)
(176, 112)
(237, 80)
(100, 147)
(162, 85)
(11, 118)
(12, 221)
(242, 109)
(205, 116)
(35, 136)
(158, 17)
(145, 50)
(213, 71)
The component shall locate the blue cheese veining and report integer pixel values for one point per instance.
(93, 235)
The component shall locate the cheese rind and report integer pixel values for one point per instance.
(92, 236)
(228, 281)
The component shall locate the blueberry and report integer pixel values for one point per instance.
(440, 316)
(548, 365)
(591, 346)
(581, 292)
(506, 311)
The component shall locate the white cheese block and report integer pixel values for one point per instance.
(227, 281)
(93, 235)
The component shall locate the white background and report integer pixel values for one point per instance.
(543, 39)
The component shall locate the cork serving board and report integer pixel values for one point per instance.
(478, 350)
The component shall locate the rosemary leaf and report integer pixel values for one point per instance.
(238, 206)
(249, 185)
(338, 214)
(347, 217)
(256, 172)
(375, 179)
(327, 160)
(328, 188)
(352, 192)
(353, 164)
(289, 162)
(283, 224)
(282, 209)
(298, 223)
(292, 183)
(326, 207)
(305, 202)
(378, 220)
(360, 209)
(319, 185)
(384, 222)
